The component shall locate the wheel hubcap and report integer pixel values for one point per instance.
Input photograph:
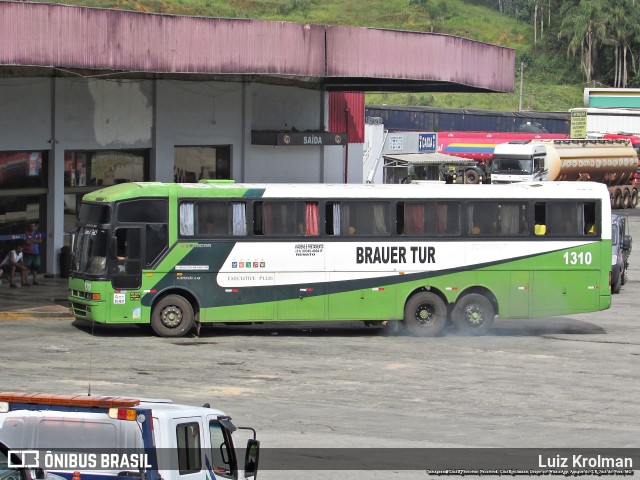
(474, 315)
(171, 316)
(424, 314)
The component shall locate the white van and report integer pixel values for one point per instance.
(99, 436)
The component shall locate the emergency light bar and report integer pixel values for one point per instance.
(66, 400)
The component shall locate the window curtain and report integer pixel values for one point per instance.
(579, 218)
(336, 219)
(379, 220)
(267, 219)
(311, 219)
(509, 218)
(239, 226)
(442, 217)
(414, 218)
(470, 210)
(187, 223)
(345, 220)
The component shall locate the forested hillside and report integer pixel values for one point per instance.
(562, 45)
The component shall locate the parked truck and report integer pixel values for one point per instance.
(116, 438)
(613, 162)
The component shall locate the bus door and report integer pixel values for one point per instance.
(126, 259)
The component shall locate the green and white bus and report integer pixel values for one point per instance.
(177, 256)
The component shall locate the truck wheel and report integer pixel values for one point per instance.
(425, 314)
(617, 284)
(172, 317)
(617, 200)
(626, 198)
(634, 198)
(471, 176)
(473, 314)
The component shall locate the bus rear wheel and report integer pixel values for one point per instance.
(172, 316)
(473, 314)
(425, 315)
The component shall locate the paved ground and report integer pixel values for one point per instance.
(46, 300)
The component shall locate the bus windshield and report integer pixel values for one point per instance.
(90, 255)
(512, 165)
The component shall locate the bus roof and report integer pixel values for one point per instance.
(535, 190)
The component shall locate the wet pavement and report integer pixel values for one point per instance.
(48, 299)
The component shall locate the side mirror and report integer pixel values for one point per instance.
(251, 457)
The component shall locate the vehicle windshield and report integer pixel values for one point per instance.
(512, 165)
(90, 252)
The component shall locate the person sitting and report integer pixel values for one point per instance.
(13, 261)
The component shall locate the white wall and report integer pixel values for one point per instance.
(284, 108)
(197, 114)
(25, 116)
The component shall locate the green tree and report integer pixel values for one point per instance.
(585, 27)
(622, 31)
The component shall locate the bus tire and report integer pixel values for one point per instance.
(471, 177)
(626, 198)
(172, 316)
(425, 315)
(473, 314)
(634, 198)
(623, 277)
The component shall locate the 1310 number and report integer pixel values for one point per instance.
(575, 258)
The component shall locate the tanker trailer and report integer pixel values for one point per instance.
(612, 162)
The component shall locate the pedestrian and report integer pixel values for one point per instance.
(31, 251)
(13, 261)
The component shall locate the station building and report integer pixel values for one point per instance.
(93, 97)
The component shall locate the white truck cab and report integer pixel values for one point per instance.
(519, 161)
(100, 437)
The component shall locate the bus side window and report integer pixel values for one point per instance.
(540, 219)
(565, 218)
(590, 227)
(156, 242)
(482, 218)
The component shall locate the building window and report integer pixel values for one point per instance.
(192, 164)
(105, 167)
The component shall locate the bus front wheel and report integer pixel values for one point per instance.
(473, 314)
(425, 314)
(172, 317)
